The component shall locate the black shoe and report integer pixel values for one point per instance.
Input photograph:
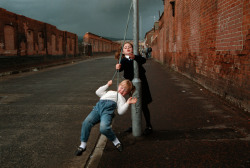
(148, 131)
(79, 151)
(128, 130)
(119, 147)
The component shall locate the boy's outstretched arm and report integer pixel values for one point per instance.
(103, 89)
(109, 83)
(132, 100)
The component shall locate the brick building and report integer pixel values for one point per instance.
(209, 42)
(148, 37)
(100, 44)
(22, 36)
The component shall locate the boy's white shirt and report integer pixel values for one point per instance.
(122, 105)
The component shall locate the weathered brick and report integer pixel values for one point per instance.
(100, 44)
(216, 33)
(21, 36)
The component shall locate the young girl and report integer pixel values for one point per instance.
(128, 68)
(103, 112)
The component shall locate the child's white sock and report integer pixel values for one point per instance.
(83, 145)
(116, 141)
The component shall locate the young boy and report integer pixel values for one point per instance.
(103, 112)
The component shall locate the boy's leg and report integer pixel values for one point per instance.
(105, 126)
(105, 129)
(87, 124)
(92, 119)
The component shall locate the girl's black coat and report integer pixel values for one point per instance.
(128, 68)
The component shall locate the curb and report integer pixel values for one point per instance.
(96, 156)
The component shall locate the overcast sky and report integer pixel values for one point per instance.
(106, 18)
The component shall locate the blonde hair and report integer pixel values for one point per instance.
(127, 84)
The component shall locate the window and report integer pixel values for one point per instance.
(173, 7)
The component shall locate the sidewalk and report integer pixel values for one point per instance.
(192, 128)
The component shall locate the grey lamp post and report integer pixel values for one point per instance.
(136, 108)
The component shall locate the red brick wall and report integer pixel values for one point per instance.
(148, 37)
(208, 41)
(8, 42)
(100, 44)
(21, 36)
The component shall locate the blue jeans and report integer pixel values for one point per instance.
(103, 112)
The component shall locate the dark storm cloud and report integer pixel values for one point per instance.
(102, 17)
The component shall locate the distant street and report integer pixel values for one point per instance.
(41, 113)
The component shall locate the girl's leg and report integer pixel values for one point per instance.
(148, 130)
(146, 115)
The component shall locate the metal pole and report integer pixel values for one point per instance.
(136, 108)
